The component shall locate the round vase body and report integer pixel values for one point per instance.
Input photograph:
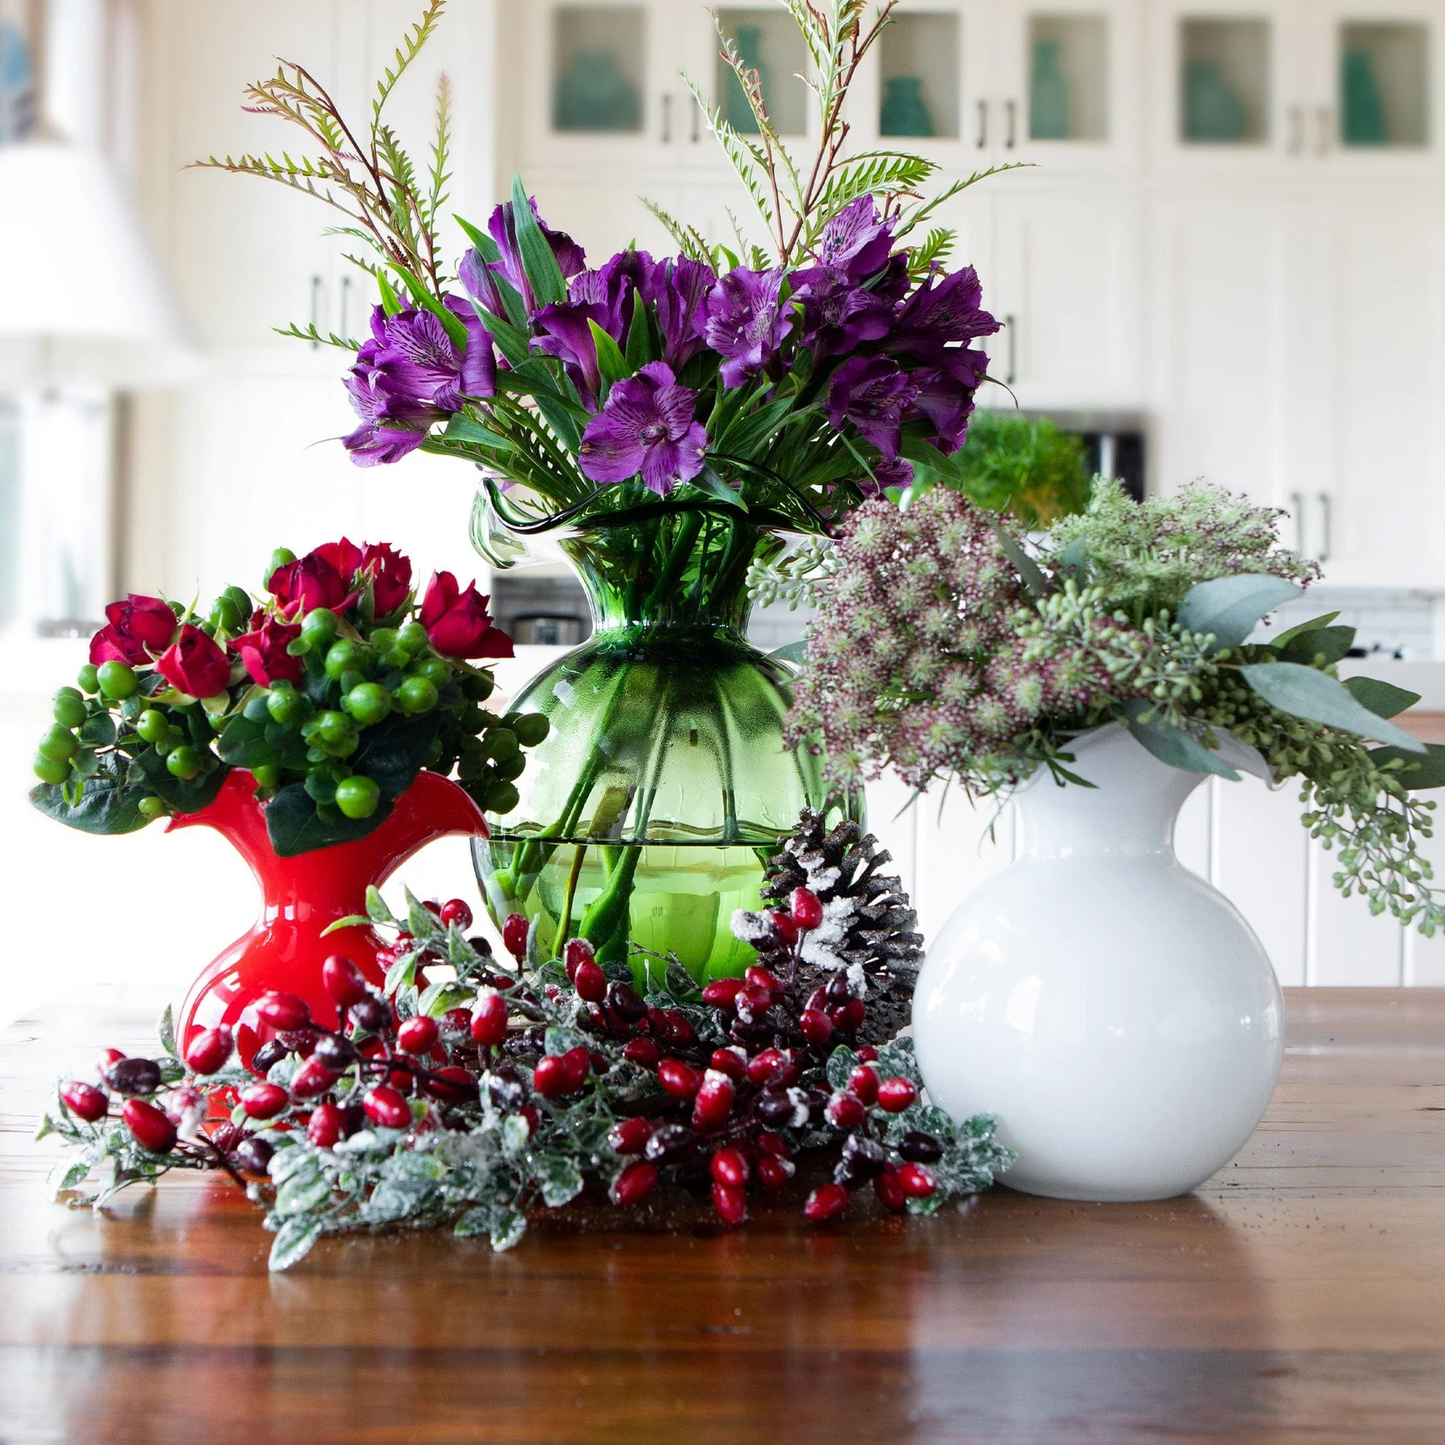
(648, 814)
(1111, 1007)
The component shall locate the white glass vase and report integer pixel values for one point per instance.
(1111, 1007)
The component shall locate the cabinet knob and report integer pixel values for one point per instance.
(318, 285)
(982, 124)
(1011, 110)
(1327, 527)
(1010, 326)
(667, 120)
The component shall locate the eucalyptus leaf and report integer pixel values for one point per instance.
(1029, 572)
(1320, 647)
(1383, 699)
(1229, 607)
(1173, 745)
(1308, 693)
(1417, 773)
(1285, 638)
(793, 652)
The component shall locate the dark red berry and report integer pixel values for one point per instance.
(283, 1011)
(254, 1155)
(372, 1014)
(767, 1068)
(848, 1017)
(817, 1027)
(679, 1079)
(311, 1079)
(863, 1081)
(896, 1094)
(456, 911)
(818, 999)
(920, 1148)
(890, 1191)
(551, 1079)
(730, 1062)
(106, 1059)
(807, 910)
(867, 1054)
(759, 977)
(149, 1126)
(345, 984)
(326, 1126)
(134, 1076)
(225, 1137)
(578, 1063)
(456, 1024)
(714, 1101)
(916, 1181)
(208, 1051)
(264, 1101)
(845, 1111)
(385, 1106)
(624, 1001)
(530, 1115)
(85, 1101)
(730, 1202)
(774, 1172)
(418, 1035)
(784, 929)
(489, 1019)
(721, 992)
(590, 982)
(670, 1143)
(628, 1136)
(271, 1052)
(334, 1052)
(514, 935)
(432, 906)
(642, 1052)
(752, 1002)
(780, 1107)
(635, 1183)
(452, 1084)
(769, 1143)
(729, 1167)
(675, 1027)
(861, 1159)
(826, 1202)
(575, 953)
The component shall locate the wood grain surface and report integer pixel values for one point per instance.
(1298, 1296)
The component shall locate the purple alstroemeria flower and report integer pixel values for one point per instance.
(746, 324)
(872, 392)
(838, 317)
(897, 473)
(855, 242)
(392, 423)
(570, 256)
(606, 296)
(678, 290)
(421, 360)
(646, 429)
(946, 391)
(480, 281)
(940, 312)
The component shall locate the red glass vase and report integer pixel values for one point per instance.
(301, 897)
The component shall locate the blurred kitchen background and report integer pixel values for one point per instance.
(1225, 260)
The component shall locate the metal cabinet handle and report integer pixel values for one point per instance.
(1296, 129)
(982, 124)
(345, 301)
(1010, 326)
(1011, 110)
(667, 120)
(1327, 521)
(318, 285)
(1324, 122)
(1297, 511)
(696, 123)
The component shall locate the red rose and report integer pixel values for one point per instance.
(137, 628)
(194, 664)
(457, 623)
(390, 574)
(322, 578)
(264, 652)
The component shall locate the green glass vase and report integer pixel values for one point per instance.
(648, 815)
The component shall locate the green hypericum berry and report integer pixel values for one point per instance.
(225, 614)
(318, 627)
(368, 703)
(333, 728)
(509, 768)
(59, 743)
(51, 770)
(279, 558)
(411, 637)
(184, 763)
(343, 657)
(117, 679)
(241, 599)
(87, 680)
(436, 670)
(500, 743)
(416, 695)
(69, 708)
(267, 775)
(501, 798)
(434, 752)
(383, 639)
(478, 686)
(357, 796)
(153, 725)
(285, 704)
(150, 806)
(531, 729)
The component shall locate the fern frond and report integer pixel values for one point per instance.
(686, 238)
(933, 250)
(317, 338)
(441, 148)
(746, 159)
(911, 217)
(406, 52)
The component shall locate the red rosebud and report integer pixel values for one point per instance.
(825, 1203)
(714, 1101)
(679, 1079)
(326, 1126)
(136, 630)
(264, 1101)
(85, 1101)
(635, 1182)
(456, 911)
(896, 1094)
(730, 1167)
(208, 1051)
(629, 1135)
(889, 1190)
(149, 1126)
(319, 579)
(916, 1181)
(389, 573)
(514, 935)
(457, 623)
(283, 1011)
(383, 1105)
(730, 1062)
(264, 653)
(863, 1081)
(730, 1202)
(642, 1052)
(194, 664)
(489, 1019)
(417, 1035)
(311, 1079)
(845, 1111)
(775, 1171)
(807, 910)
(590, 982)
(817, 1027)
(343, 981)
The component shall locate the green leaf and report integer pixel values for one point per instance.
(560, 1180)
(293, 1242)
(1320, 647)
(390, 301)
(610, 360)
(98, 730)
(105, 805)
(294, 825)
(480, 239)
(512, 341)
(1382, 698)
(185, 796)
(543, 273)
(1029, 572)
(455, 327)
(167, 1031)
(1308, 693)
(243, 744)
(1418, 772)
(790, 652)
(461, 428)
(639, 338)
(708, 481)
(1285, 638)
(1230, 606)
(1172, 745)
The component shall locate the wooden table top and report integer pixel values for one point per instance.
(1298, 1296)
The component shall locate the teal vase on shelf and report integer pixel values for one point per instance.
(737, 112)
(1048, 94)
(1363, 109)
(594, 95)
(1213, 110)
(904, 110)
